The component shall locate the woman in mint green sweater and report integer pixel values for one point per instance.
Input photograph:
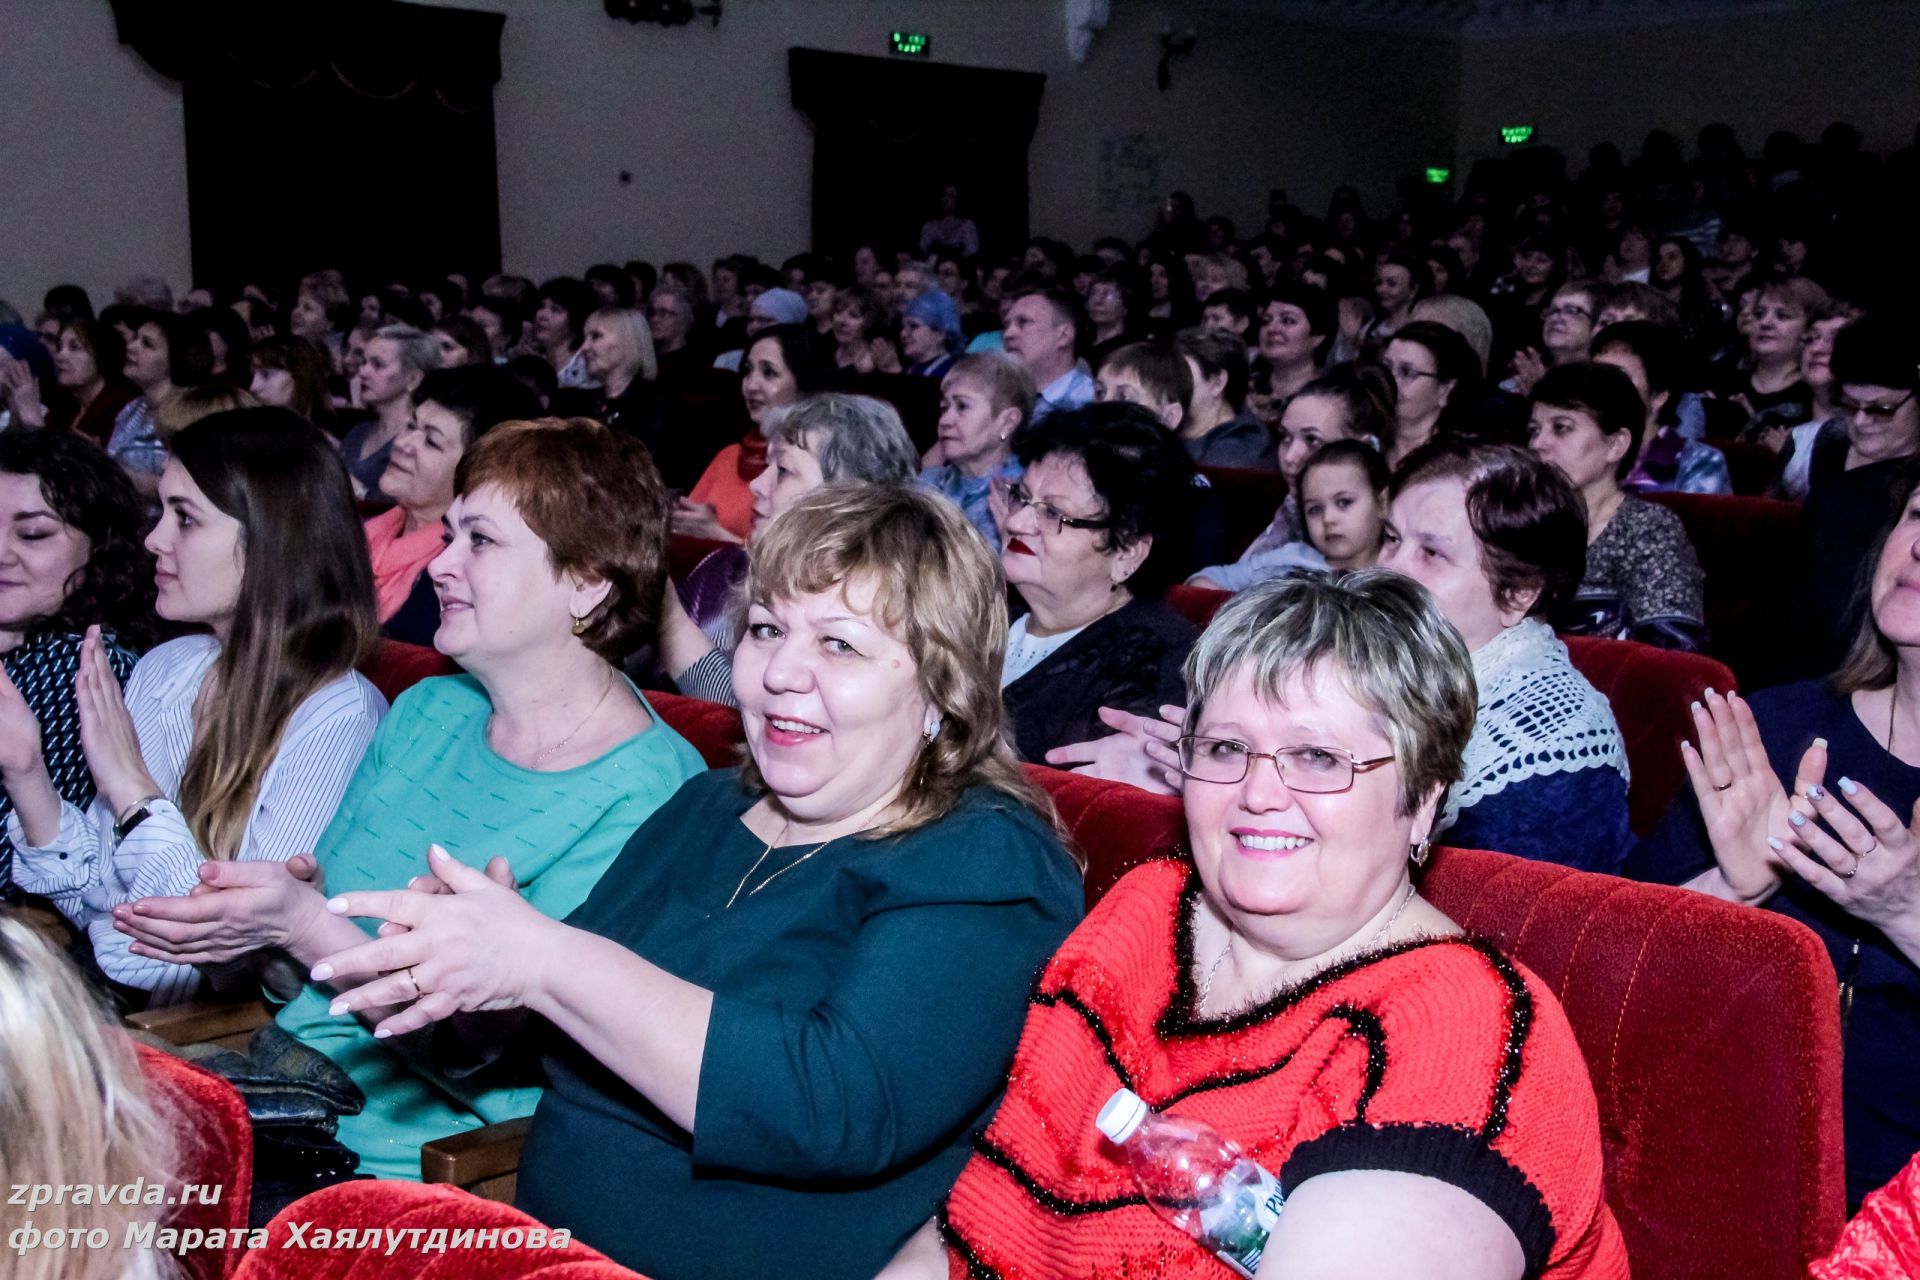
(542, 755)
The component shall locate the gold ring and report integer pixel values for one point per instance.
(1724, 786)
(417, 993)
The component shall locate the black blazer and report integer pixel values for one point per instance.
(1131, 659)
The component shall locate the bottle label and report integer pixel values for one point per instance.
(1237, 1229)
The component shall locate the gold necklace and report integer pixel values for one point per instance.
(764, 853)
(542, 755)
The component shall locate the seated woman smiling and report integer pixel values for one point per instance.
(541, 752)
(787, 1007)
(1420, 1096)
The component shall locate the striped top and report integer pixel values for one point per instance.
(86, 874)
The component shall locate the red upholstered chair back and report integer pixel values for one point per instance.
(214, 1148)
(1749, 548)
(1712, 1035)
(396, 667)
(1710, 1032)
(713, 730)
(1651, 690)
(1197, 604)
(406, 1207)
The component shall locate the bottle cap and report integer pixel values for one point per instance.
(1123, 1114)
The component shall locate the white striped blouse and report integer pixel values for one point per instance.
(86, 874)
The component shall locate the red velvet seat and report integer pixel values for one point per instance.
(713, 730)
(1651, 690)
(1248, 499)
(1751, 467)
(1197, 604)
(1749, 548)
(396, 667)
(405, 1207)
(214, 1148)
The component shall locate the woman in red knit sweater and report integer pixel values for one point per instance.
(1420, 1096)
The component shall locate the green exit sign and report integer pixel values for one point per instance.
(1515, 134)
(910, 43)
(1438, 177)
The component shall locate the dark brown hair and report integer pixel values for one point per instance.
(1530, 522)
(1603, 393)
(596, 499)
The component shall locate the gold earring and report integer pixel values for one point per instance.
(1422, 851)
(579, 625)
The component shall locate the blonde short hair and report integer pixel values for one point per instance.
(938, 588)
(1385, 640)
(636, 334)
(73, 1109)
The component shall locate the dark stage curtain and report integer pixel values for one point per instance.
(345, 133)
(889, 133)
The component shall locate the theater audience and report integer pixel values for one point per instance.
(1216, 427)
(1782, 427)
(985, 399)
(398, 357)
(671, 317)
(1801, 802)
(930, 335)
(857, 318)
(461, 340)
(616, 350)
(779, 368)
(1091, 535)
(1042, 332)
(1852, 480)
(770, 308)
(1768, 374)
(1566, 332)
(1152, 374)
(1643, 580)
(560, 314)
(452, 409)
(541, 757)
(258, 544)
(824, 439)
(90, 384)
(1109, 325)
(790, 1045)
(70, 558)
(76, 1113)
(1326, 720)
(1295, 327)
(1348, 402)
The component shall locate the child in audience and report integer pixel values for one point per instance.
(1343, 497)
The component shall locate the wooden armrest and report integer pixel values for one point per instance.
(202, 1022)
(476, 1156)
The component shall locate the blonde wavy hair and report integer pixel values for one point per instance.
(74, 1109)
(938, 589)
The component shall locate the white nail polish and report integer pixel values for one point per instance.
(1774, 844)
(1848, 787)
(321, 972)
(337, 1008)
(337, 905)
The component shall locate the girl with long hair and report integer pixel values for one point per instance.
(236, 744)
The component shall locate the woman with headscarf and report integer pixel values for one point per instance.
(930, 334)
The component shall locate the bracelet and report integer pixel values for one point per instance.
(120, 819)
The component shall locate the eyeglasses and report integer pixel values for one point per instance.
(1014, 499)
(1407, 373)
(1309, 770)
(1567, 312)
(1878, 410)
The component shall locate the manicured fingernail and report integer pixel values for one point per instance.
(322, 971)
(1816, 792)
(1797, 818)
(1820, 743)
(435, 851)
(337, 905)
(1709, 691)
(1696, 705)
(1774, 844)
(381, 1033)
(338, 1007)
(1848, 787)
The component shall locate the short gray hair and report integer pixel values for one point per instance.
(418, 351)
(1380, 634)
(855, 438)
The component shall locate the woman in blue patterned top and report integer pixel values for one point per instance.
(984, 400)
(70, 558)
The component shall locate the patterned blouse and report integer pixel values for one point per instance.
(43, 669)
(1643, 582)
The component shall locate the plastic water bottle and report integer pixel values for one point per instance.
(1202, 1183)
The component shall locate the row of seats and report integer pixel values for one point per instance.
(1720, 1114)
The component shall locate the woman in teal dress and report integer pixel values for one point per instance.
(541, 754)
(788, 1006)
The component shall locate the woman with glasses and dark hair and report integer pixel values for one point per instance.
(1852, 479)
(1326, 721)
(1438, 379)
(1091, 534)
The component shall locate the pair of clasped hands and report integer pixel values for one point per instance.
(454, 940)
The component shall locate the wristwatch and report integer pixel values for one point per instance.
(133, 817)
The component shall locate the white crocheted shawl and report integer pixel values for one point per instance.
(1537, 716)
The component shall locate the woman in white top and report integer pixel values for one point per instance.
(234, 745)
